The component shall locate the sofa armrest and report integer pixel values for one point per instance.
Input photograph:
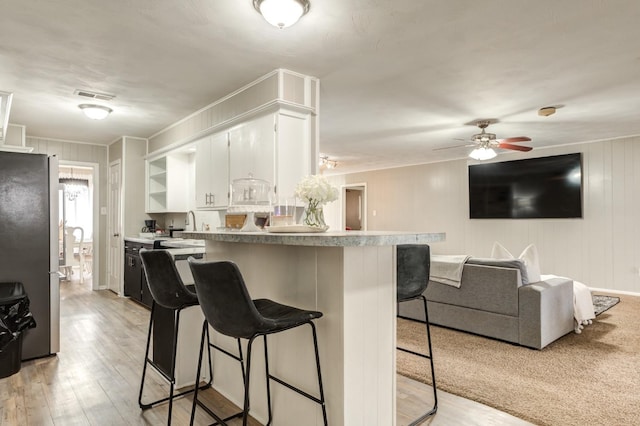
(545, 311)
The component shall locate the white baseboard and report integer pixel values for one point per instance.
(607, 290)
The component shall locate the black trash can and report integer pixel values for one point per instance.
(15, 317)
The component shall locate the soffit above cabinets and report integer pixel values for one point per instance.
(5, 107)
(18, 131)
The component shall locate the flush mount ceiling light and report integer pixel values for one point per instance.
(95, 112)
(282, 13)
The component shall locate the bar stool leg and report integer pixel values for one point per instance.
(429, 356)
(245, 410)
(266, 367)
(198, 370)
(171, 376)
(146, 357)
(433, 373)
(321, 388)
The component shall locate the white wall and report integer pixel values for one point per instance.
(602, 249)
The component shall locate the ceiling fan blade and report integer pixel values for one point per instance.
(516, 139)
(514, 147)
(452, 147)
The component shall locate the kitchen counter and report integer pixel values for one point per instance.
(326, 239)
(184, 253)
(182, 243)
(145, 240)
(351, 278)
(179, 247)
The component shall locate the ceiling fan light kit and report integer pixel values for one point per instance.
(486, 142)
(482, 153)
(282, 13)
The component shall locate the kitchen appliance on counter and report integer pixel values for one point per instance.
(174, 230)
(251, 197)
(149, 226)
(29, 243)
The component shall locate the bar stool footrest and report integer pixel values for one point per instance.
(295, 389)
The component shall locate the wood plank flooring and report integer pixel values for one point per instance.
(95, 378)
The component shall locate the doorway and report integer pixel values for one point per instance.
(78, 221)
(354, 200)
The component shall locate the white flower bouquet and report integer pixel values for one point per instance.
(316, 188)
(316, 191)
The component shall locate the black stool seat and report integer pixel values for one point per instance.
(168, 291)
(278, 317)
(228, 308)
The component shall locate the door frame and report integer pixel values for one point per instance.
(362, 187)
(114, 233)
(95, 267)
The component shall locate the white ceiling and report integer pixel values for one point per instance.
(398, 77)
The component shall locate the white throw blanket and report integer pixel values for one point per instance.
(583, 310)
(447, 269)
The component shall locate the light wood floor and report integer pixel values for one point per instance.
(95, 378)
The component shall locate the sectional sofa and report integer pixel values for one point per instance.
(493, 300)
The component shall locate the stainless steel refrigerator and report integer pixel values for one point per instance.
(29, 243)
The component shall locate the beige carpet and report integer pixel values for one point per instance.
(591, 378)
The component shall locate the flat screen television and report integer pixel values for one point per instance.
(534, 188)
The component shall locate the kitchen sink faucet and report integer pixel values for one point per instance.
(186, 222)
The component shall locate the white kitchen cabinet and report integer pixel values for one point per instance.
(274, 147)
(212, 172)
(167, 184)
(293, 153)
(252, 150)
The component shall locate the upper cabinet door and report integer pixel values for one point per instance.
(212, 172)
(252, 150)
(293, 153)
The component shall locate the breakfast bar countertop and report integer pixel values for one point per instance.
(326, 239)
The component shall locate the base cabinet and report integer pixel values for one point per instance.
(135, 281)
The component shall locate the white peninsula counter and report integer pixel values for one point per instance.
(350, 277)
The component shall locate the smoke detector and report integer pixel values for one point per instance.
(546, 111)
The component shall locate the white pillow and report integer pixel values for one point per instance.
(529, 255)
(499, 252)
(532, 262)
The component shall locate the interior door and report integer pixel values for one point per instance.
(115, 225)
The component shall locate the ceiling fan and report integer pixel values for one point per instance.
(485, 143)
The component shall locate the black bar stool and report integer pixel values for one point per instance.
(413, 268)
(168, 291)
(227, 306)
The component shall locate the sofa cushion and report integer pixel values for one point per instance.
(529, 255)
(504, 263)
(485, 288)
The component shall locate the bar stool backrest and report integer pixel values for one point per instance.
(165, 284)
(225, 300)
(413, 268)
